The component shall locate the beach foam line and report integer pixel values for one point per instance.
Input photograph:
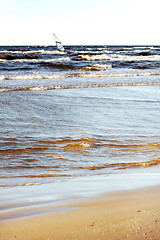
(44, 88)
(84, 74)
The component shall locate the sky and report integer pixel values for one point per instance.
(79, 22)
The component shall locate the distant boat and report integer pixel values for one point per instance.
(59, 45)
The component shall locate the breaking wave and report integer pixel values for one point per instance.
(83, 84)
(78, 74)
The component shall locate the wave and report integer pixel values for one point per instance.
(121, 166)
(89, 57)
(45, 88)
(11, 147)
(32, 76)
(85, 63)
(61, 66)
(79, 144)
(116, 57)
(13, 57)
(30, 165)
(55, 168)
(147, 66)
(77, 74)
(84, 143)
(142, 148)
(123, 74)
(68, 141)
(21, 151)
(29, 51)
(39, 176)
(82, 55)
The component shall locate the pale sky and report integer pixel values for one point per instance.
(79, 22)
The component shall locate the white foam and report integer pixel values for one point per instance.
(117, 57)
(102, 66)
(83, 74)
(60, 59)
(85, 145)
(24, 51)
(94, 57)
(125, 74)
(32, 76)
(37, 88)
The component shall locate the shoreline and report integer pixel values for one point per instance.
(129, 214)
(25, 201)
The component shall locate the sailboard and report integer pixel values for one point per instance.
(58, 44)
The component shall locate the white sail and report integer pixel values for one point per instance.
(58, 44)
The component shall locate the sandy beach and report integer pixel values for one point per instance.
(121, 215)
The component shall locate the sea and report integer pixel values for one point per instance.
(88, 116)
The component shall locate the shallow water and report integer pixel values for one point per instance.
(101, 115)
(25, 201)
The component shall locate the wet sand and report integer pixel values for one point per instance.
(123, 215)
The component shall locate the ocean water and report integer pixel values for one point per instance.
(93, 112)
